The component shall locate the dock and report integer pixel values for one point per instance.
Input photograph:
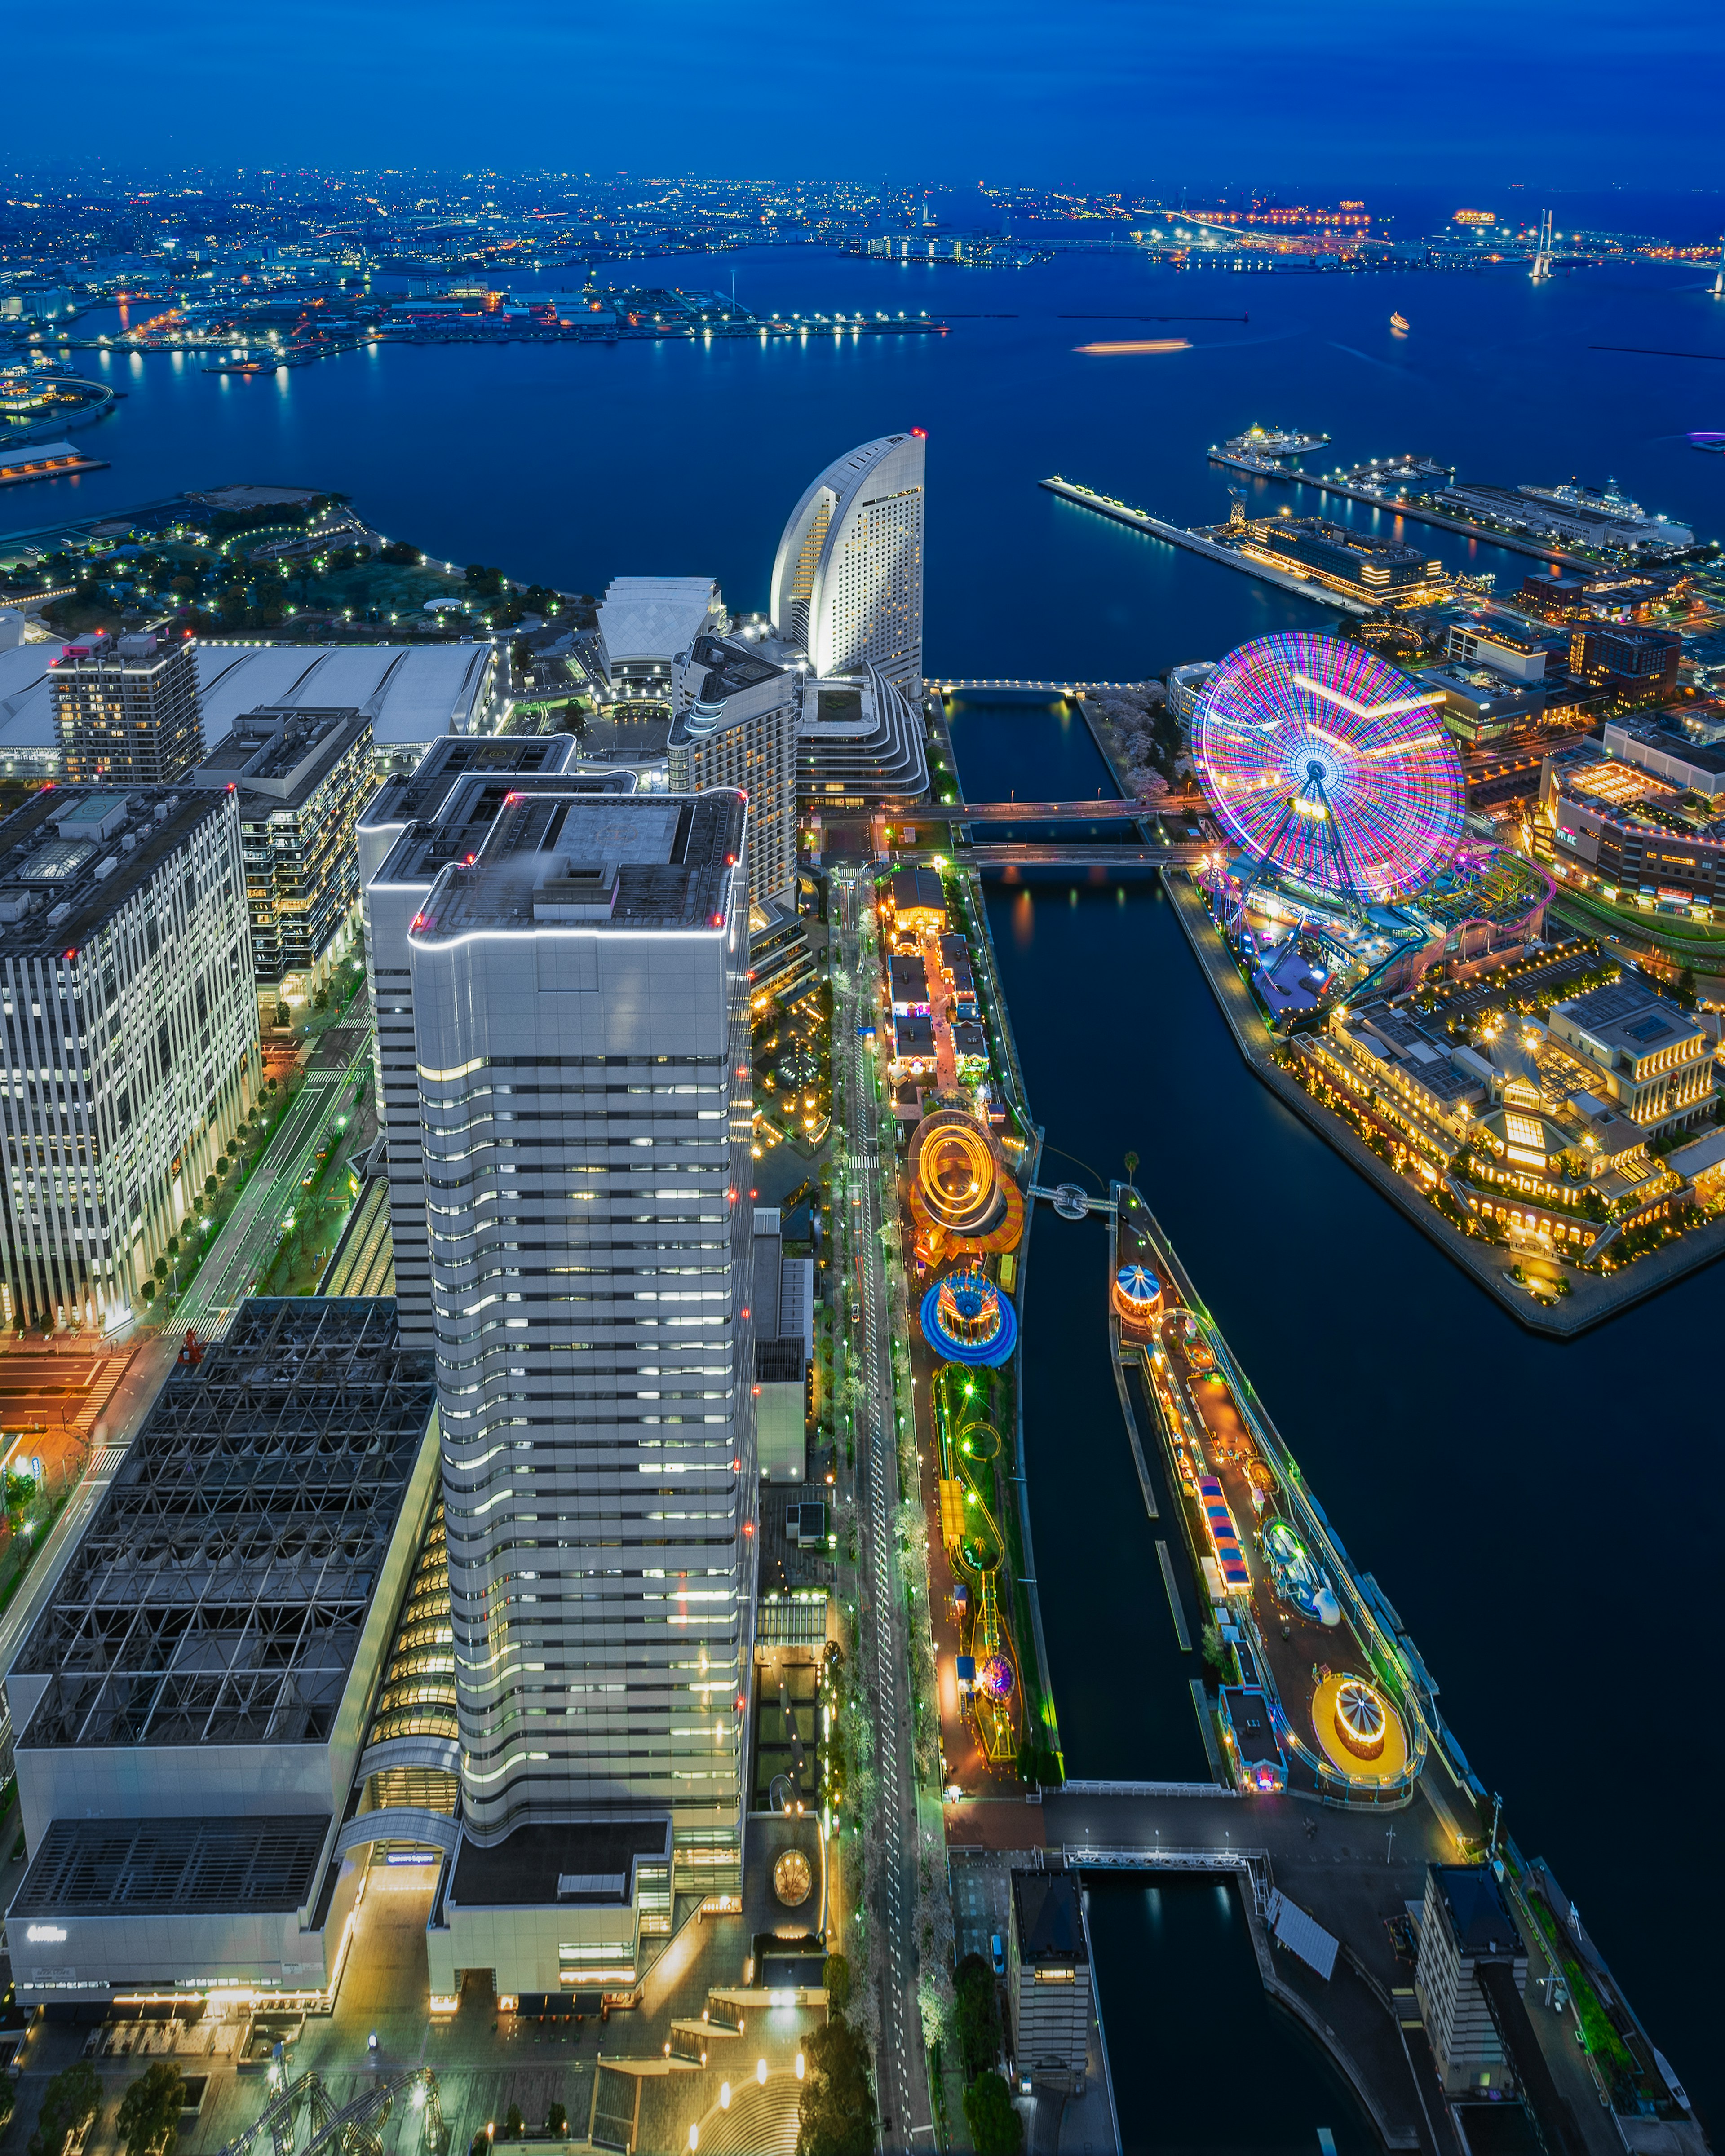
(1197, 542)
(1512, 542)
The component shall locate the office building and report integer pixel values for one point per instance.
(1477, 704)
(734, 723)
(130, 1037)
(847, 581)
(194, 1705)
(645, 621)
(579, 1006)
(1641, 1051)
(407, 833)
(1503, 646)
(1567, 595)
(29, 743)
(1466, 1932)
(1629, 660)
(1048, 1981)
(414, 694)
(301, 778)
(127, 710)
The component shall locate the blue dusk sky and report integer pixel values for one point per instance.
(1587, 95)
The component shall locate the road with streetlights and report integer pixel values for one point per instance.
(901, 2077)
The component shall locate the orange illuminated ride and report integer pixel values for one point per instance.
(964, 1203)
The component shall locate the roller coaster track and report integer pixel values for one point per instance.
(995, 1719)
(356, 2129)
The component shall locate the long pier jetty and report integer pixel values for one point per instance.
(1194, 542)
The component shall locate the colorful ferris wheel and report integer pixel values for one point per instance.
(1322, 762)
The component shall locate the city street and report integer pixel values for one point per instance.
(901, 2077)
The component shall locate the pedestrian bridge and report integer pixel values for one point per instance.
(1043, 688)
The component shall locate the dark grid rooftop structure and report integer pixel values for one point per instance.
(219, 1594)
(173, 1867)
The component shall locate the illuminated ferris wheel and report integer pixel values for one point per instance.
(1324, 764)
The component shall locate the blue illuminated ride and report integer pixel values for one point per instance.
(967, 1319)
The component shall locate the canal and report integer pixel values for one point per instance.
(1529, 1506)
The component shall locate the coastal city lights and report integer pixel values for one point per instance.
(860, 1075)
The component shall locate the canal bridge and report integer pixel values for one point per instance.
(955, 688)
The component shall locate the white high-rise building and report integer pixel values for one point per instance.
(580, 1014)
(408, 832)
(847, 581)
(128, 1039)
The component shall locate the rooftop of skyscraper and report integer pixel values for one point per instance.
(73, 854)
(559, 859)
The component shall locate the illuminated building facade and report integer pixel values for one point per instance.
(1381, 567)
(847, 581)
(579, 994)
(1641, 1051)
(408, 832)
(301, 777)
(734, 723)
(1625, 657)
(127, 710)
(128, 1038)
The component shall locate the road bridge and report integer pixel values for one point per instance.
(1104, 809)
(1053, 853)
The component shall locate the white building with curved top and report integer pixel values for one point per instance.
(847, 581)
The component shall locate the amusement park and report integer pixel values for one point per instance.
(1317, 1692)
(1353, 868)
(962, 1216)
(967, 1213)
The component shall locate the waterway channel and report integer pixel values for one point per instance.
(1537, 1510)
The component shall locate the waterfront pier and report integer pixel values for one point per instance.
(1197, 542)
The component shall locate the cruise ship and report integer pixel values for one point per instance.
(1272, 442)
(1617, 508)
(1571, 514)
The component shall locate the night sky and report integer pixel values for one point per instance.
(1584, 94)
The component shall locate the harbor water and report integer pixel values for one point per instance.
(575, 464)
(1539, 1513)
(1512, 1495)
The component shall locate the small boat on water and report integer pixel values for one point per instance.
(1399, 324)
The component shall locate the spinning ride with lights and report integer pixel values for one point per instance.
(1329, 767)
(1362, 1719)
(966, 1319)
(963, 1201)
